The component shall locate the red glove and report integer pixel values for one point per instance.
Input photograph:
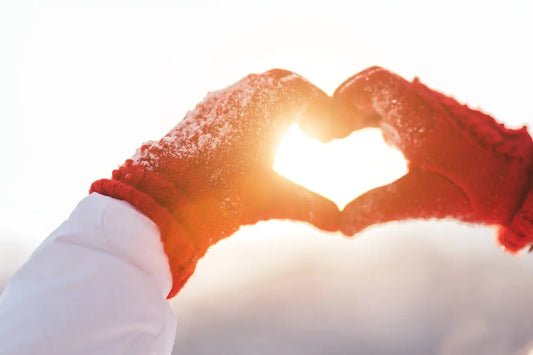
(462, 163)
(213, 173)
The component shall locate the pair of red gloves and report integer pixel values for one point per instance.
(213, 172)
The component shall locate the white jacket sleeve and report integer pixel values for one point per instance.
(96, 285)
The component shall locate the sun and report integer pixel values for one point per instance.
(341, 169)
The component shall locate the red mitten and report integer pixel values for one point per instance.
(213, 173)
(462, 163)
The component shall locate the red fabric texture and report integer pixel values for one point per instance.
(462, 163)
(180, 249)
(213, 173)
(519, 233)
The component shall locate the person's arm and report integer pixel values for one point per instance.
(96, 285)
(99, 284)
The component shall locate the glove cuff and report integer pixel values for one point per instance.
(519, 233)
(155, 197)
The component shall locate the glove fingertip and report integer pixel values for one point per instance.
(351, 220)
(324, 215)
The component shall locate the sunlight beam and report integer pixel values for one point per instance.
(341, 169)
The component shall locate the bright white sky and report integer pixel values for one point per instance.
(83, 83)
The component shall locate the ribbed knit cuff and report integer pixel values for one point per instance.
(179, 247)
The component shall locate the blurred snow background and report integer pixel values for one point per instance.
(83, 83)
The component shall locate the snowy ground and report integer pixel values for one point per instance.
(411, 288)
(416, 288)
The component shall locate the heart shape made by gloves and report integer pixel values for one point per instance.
(341, 169)
(462, 163)
(212, 173)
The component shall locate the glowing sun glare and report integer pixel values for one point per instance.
(341, 169)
